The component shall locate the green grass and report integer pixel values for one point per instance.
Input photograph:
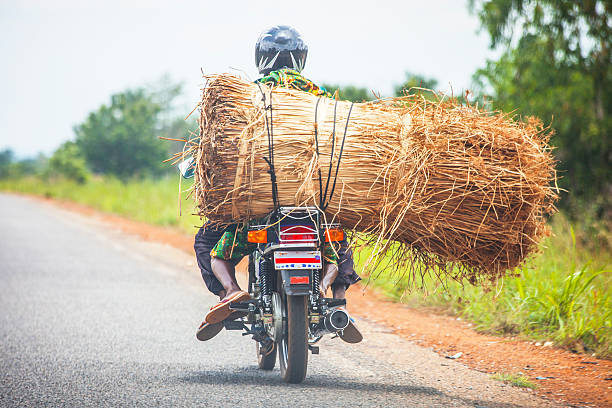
(517, 380)
(151, 201)
(564, 294)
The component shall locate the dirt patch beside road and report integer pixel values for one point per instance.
(576, 379)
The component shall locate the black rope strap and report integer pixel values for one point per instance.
(331, 194)
(324, 199)
(270, 158)
(316, 125)
(331, 157)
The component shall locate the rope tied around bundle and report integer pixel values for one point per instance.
(324, 199)
(270, 158)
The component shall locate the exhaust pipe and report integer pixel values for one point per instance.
(336, 320)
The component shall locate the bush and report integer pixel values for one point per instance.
(122, 139)
(68, 162)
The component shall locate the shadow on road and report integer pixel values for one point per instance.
(253, 376)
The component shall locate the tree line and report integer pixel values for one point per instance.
(120, 139)
(555, 65)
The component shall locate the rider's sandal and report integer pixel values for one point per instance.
(207, 331)
(221, 311)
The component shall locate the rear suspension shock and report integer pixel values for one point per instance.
(316, 282)
(267, 271)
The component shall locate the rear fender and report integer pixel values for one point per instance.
(296, 282)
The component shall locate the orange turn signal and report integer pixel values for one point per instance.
(333, 235)
(258, 236)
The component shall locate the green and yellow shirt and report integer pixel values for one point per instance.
(289, 78)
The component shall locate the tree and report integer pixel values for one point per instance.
(30, 166)
(578, 32)
(6, 159)
(557, 66)
(67, 161)
(350, 92)
(122, 138)
(414, 83)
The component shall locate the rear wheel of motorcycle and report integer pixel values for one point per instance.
(293, 346)
(266, 362)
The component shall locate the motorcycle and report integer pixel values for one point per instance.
(287, 313)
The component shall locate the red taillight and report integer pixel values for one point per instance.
(299, 280)
(297, 233)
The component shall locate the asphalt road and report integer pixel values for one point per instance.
(90, 316)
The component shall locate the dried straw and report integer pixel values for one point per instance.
(436, 185)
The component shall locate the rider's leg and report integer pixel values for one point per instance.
(229, 250)
(225, 272)
(231, 247)
(346, 277)
(329, 276)
(339, 291)
(205, 240)
(346, 271)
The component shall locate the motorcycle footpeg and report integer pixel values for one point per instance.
(330, 302)
(243, 306)
(234, 325)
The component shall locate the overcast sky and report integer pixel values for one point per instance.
(63, 58)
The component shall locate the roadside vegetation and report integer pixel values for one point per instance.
(553, 64)
(563, 295)
(154, 201)
(516, 380)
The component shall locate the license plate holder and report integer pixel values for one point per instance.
(298, 260)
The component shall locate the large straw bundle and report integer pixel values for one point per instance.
(447, 184)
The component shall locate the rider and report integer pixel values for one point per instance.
(280, 55)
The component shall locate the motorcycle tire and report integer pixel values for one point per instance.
(293, 346)
(266, 362)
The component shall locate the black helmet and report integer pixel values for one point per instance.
(280, 47)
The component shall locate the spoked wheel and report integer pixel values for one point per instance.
(293, 344)
(274, 330)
